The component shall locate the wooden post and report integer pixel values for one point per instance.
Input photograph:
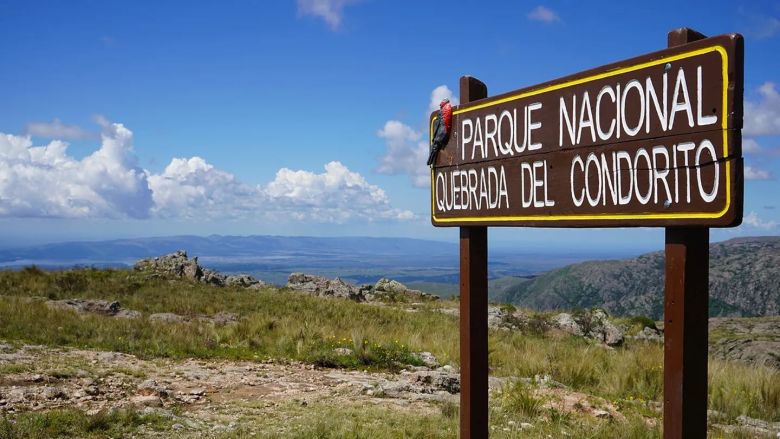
(686, 311)
(473, 311)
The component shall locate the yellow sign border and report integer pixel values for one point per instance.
(609, 216)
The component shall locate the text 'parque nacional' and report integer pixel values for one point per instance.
(654, 140)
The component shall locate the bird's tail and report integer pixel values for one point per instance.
(433, 154)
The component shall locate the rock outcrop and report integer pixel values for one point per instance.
(384, 290)
(324, 287)
(649, 334)
(388, 290)
(178, 264)
(114, 309)
(90, 306)
(103, 307)
(593, 324)
(749, 340)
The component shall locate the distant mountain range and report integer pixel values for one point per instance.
(744, 281)
(432, 265)
(744, 272)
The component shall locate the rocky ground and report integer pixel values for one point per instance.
(203, 397)
(209, 398)
(750, 340)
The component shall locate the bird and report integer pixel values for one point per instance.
(441, 130)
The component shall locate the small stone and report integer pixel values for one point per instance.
(147, 401)
(603, 414)
(54, 393)
(150, 387)
(92, 391)
(166, 317)
(427, 359)
(177, 427)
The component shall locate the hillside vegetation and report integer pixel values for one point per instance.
(744, 281)
(541, 385)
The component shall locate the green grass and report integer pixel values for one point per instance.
(287, 325)
(67, 423)
(361, 421)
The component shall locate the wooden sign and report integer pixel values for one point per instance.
(650, 141)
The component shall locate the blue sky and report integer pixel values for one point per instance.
(305, 117)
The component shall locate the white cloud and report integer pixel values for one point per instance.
(44, 181)
(750, 146)
(752, 173)
(763, 118)
(439, 94)
(334, 196)
(332, 11)
(406, 149)
(405, 153)
(759, 26)
(58, 130)
(752, 219)
(543, 14)
(192, 188)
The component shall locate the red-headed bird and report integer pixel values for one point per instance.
(441, 130)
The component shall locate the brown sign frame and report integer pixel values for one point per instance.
(729, 205)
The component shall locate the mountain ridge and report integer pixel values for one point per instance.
(744, 281)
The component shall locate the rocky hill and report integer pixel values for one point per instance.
(744, 281)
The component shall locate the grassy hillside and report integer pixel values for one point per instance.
(284, 326)
(744, 281)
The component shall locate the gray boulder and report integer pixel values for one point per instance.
(566, 323)
(391, 290)
(427, 358)
(506, 318)
(103, 307)
(167, 317)
(324, 287)
(593, 324)
(649, 334)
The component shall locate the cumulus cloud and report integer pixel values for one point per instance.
(332, 11)
(543, 14)
(753, 173)
(44, 181)
(406, 149)
(405, 153)
(439, 94)
(193, 188)
(762, 118)
(752, 219)
(58, 130)
(334, 195)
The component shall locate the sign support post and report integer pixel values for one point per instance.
(686, 311)
(473, 310)
(651, 141)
